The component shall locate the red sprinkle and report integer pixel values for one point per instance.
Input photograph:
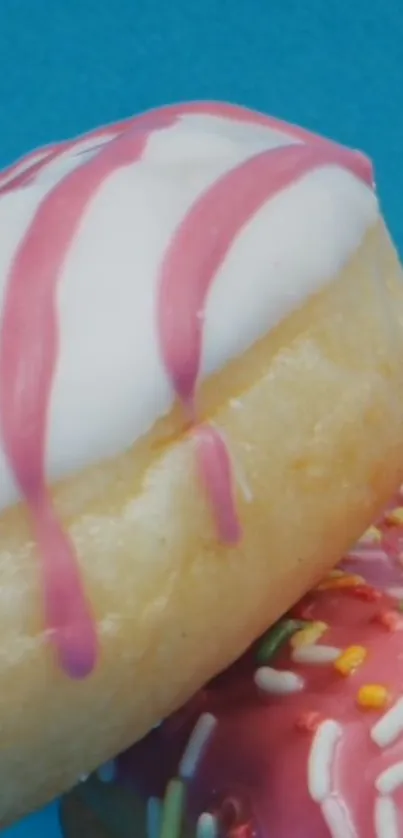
(308, 722)
(245, 830)
(389, 620)
(365, 592)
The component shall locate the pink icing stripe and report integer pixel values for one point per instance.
(29, 332)
(215, 471)
(199, 247)
(28, 358)
(11, 177)
(198, 250)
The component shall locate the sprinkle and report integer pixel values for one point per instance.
(309, 635)
(321, 759)
(303, 611)
(308, 722)
(390, 620)
(195, 747)
(395, 516)
(366, 593)
(350, 660)
(389, 727)
(106, 773)
(389, 780)
(172, 810)
(337, 818)
(276, 682)
(347, 580)
(315, 655)
(276, 637)
(154, 810)
(83, 778)
(207, 826)
(385, 818)
(242, 830)
(367, 554)
(372, 535)
(396, 592)
(372, 697)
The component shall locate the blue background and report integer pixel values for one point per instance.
(332, 65)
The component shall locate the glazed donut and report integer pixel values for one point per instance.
(201, 327)
(302, 737)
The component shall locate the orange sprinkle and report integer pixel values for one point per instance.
(308, 722)
(347, 580)
(372, 697)
(350, 659)
(395, 516)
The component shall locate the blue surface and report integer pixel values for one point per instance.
(334, 66)
(44, 824)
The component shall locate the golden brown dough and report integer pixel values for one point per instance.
(313, 415)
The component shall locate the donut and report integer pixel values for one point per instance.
(200, 328)
(303, 736)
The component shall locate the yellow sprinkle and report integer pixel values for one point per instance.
(395, 516)
(346, 581)
(308, 635)
(350, 659)
(372, 697)
(371, 536)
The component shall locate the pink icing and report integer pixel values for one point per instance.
(29, 327)
(253, 773)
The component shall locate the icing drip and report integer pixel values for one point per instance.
(29, 334)
(190, 265)
(28, 357)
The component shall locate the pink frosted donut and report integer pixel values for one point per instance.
(303, 736)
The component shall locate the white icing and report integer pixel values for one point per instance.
(110, 385)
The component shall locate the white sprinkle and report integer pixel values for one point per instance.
(194, 749)
(277, 682)
(153, 817)
(321, 758)
(385, 818)
(337, 819)
(314, 654)
(367, 554)
(207, 826)
(395, 592)
(83, 778)
(106, 772)
(389, 727)
(389, 780)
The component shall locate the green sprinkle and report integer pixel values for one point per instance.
(276, 637)
(400, 605)
(173, 810)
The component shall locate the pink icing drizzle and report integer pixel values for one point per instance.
(29, 344)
